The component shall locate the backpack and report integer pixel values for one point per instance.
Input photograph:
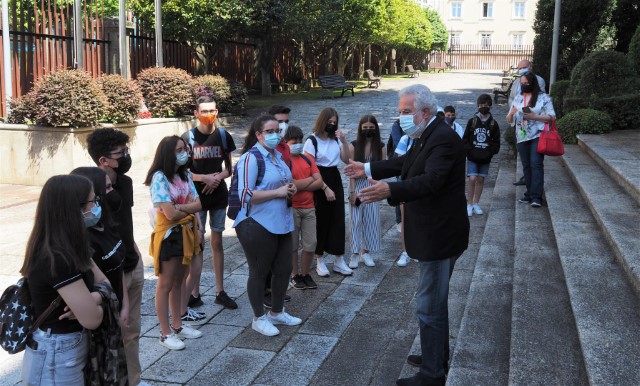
(234, 201)
(314, 141)
(17, 316)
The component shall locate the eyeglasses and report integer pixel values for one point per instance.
(96, 202)
(270, 131)
(123, 153)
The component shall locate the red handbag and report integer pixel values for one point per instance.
(550, 142)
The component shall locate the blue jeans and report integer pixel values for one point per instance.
(433, 315)
(59, 359)
(533, 168)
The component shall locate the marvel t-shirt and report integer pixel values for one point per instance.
(109, 254)
(208, 157)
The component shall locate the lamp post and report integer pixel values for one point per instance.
(554, 45)
(158, 9)
(6, 54)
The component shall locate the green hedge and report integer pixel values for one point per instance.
(602, 74)
(558, 92)
(634, 51)
(168, 92)
(583, 121)
(623, 109)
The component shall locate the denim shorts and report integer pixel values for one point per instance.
(59, 359)
(475, 169)
(217, 218)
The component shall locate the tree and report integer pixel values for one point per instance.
(625, 18)
(438, 29)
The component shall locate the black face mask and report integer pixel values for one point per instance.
(526, 88)
(124, 164)
(330, 128)
(484, 110)
(114, 200)
(368, 133)
(449, 121)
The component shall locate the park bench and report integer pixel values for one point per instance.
(436, 68)
(373, 81)
(504, 90)
(334, 82)
(412, 72)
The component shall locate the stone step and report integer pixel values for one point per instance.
(545, 348)
(616, 154)
(604, 303)
(481, 354)
(613, 209)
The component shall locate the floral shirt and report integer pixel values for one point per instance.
(176, 191)
(526, 130)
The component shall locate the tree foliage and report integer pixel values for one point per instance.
(626, 19)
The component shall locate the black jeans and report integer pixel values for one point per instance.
(265, 251)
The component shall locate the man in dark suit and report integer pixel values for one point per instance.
(436, 223)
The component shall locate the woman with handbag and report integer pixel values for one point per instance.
(531, 110)
(58, 263)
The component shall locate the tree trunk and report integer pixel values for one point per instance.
(265, 65)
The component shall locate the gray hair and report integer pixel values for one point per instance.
(424, 97)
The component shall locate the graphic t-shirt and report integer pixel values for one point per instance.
(109, 254)
(208, 157)
(300, 170)
(124, 218)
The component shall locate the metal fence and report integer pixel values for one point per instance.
(475, 57)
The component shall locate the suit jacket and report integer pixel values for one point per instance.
(432, 189)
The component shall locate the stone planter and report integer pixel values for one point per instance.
(29, 155)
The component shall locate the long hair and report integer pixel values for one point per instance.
(165, 160)
(58, 233)
(361, 141)
(533, 81)
(98, 178)
(256, 127)
(323, 118)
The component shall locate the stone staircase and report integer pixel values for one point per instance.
(555, 295)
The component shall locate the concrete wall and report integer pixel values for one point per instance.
(29, 155)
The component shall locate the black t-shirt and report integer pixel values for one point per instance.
(109, 254)
(124, 217)
(43, 286)
(208, 157)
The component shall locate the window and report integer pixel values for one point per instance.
(487, 10)
(485, 41)
(518, 9)
(456, 38)
(456, 9)
(517, 40)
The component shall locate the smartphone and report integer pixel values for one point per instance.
(358, 202)
(526, 109)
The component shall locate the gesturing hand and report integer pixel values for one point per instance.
(379, 190)
(354, 169)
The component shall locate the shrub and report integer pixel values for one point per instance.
(583, 121)
(23, 109)
(230, 95)
(623, 109)
(603, 74)
(68, 97)
(570, 104)
(558, 91)
(123, 96)
(168, 92)
(634, 51)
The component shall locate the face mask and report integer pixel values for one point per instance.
(271, 140)
(96, 211)
(526, 88)
(330, 128)
(368, 133)
(283, 128)
(207, 119)
(114, 200)
(523, 71)
(484, 110)
(296, 149)
(407, 125)
(449, 121)
(182, 158)
(124, 164)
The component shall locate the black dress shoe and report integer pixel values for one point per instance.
(416, 361)
(520, 182)
(421, 380)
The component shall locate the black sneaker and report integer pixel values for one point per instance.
(297, 282)
(192, 316)
(520, 182)
(223, 299)
(266, 301)
(195, 302)
(536, 204)
(525, 200)
(414, 360)
(308, 282)
(287, 298)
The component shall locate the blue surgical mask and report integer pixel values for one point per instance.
(407, 125)
(523, 71)
(271, 140)
(182, 158)
(296, 149)
(96, 211)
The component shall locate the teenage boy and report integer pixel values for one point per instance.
(307, 178)
(108, 149)
(450, 120)
(210, 147)
(481, 142)
(281, 113)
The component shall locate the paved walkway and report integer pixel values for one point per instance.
(356, 330)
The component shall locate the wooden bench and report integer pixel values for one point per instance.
(412, 72)
(334, 82)
(503, 91)
(373, 81)
(436, 68)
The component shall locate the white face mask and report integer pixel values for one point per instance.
(296, 149)
(283, 128)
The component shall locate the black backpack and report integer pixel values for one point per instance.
(234, 201)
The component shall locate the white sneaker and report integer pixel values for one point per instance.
(283, 318)
(403, 260)
(321, 268)
(264, 326)
(172, 342)
(187, 332)
(367, 260)
(477, 209)
(353, 261)
(469, 210)
(341, 267)
(399, 227)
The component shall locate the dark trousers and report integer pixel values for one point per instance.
(533, 168)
